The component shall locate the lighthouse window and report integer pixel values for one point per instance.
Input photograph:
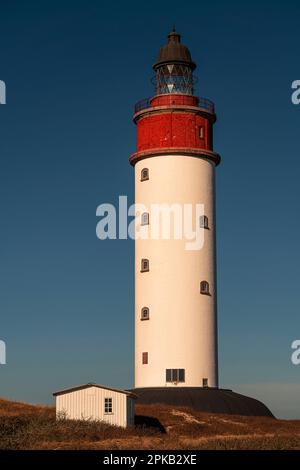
(175, 375)
(200, 132)
(205, 382)
(144, 265)
(203, 221)
(145, 218)
(144, 174)
(145, 313)
(204, 287)
(180, 375)
(108, 405)
(145, 358)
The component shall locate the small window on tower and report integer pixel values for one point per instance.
(145, 313)
(203, 221)
(200, 132)
(204, 287)
(144, 265)
(144, 174)
(205, 382)
(145, 358)
(145, 218)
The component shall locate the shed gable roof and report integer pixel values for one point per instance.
(89, 385)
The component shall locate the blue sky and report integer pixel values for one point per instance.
(73, 72)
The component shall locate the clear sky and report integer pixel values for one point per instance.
(73, 72)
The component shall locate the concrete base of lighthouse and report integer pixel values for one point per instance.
(209, 400)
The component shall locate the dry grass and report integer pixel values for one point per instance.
(24, 426)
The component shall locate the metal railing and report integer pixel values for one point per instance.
(203, 103)
(142, 104)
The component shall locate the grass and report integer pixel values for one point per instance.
(24, 426)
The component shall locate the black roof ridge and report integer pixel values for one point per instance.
(92, 384)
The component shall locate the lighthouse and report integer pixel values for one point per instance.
(175, 317)
(175, 288)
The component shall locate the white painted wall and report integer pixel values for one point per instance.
(182, 330)
(88, 403)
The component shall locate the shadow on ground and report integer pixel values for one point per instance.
(149, 422)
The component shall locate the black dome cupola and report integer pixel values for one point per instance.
(174, 67)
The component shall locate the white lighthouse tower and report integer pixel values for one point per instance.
(175, 288)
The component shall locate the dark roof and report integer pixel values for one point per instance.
(174, 52)
(210, 400)
(81, 387)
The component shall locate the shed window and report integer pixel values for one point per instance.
(145, 218)
(203, 221)
(144, 174)
(145, 358)
(204, 287)
(175, 375)
(144, 265)
(145, 313)
(108, 405)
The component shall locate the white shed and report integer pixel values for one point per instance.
(96, 402)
